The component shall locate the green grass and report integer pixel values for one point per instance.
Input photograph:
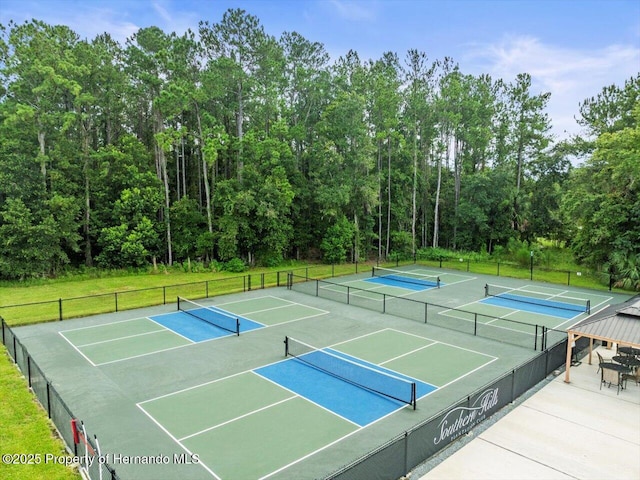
(90, 296)
(27, 430)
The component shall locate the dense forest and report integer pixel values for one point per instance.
(228, 144)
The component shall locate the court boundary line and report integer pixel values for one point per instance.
(294, 395)
(231, 420)
(588, 294)
(146, 354)
(76, 349)
(164, 328)
(465, 278)
(121, 338)
(179, 334)
(300, 396)
(494, 317)
(159, 425)
(374, 289)
(492, 321)
(108, 324)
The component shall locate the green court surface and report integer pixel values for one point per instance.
(144, 389)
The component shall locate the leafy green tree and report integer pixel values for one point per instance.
(337, 241)
(603, 204)
(135, 240)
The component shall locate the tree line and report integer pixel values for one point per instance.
(228, 143)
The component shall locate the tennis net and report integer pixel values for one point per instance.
(211, 315)
(537, 298)
(361, 375)
(421, 279)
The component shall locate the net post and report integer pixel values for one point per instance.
(373, 271)
(178, 302)
(589, 306)
(286, 346)
(486, 289)
(414, 401)
(438, 282)
(237, 327)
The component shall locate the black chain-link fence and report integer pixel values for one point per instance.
(59, 413)
(397, 457)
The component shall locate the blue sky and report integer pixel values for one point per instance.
(572, 48)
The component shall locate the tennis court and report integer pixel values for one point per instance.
(191, 323)
(395, 282)
(308, 401)
(551, 307)
(217, 403)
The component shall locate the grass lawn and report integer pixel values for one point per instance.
(27, 430)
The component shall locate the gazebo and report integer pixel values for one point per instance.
(618, 324)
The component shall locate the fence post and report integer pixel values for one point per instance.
(164, 295)
(206, 288)
(28, 367)
(568, 277)
(116, 295)
(48, 398)
(406, 451)
(60, 309)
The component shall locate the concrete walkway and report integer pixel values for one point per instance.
(563, 431)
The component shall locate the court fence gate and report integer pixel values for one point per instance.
(77, 442)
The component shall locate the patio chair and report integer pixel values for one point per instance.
(612, 377)
(634, 377)
(600, 362)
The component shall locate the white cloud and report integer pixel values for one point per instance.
(571, 75)
(354, 10)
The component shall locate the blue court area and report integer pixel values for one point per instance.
(540, 306)
(199, 330)
(345, 398)
(414, 284)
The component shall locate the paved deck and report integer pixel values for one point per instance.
(563, 431)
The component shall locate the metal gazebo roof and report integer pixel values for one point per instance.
(618, 324)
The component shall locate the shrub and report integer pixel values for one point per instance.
(234, 265)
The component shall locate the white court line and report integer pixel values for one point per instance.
(121, 338)
(248, 414)
(77, 350)
(200, 462)
(144, 354)
(104, 324)
(172, 331)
